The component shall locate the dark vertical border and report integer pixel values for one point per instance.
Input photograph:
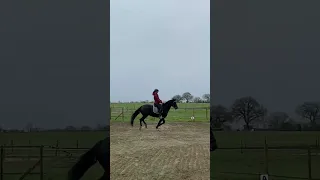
(274, 42)
(212, 21)
(56, 52)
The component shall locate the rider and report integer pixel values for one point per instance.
(157, 101)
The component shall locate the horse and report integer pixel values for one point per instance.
(147, 110)
(99, 152)
(213, 142)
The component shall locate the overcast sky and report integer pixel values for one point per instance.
(53, 63)
(159, 44)
(266, 49)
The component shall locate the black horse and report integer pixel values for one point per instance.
(213, 142)
(99, 152)
(147, 110)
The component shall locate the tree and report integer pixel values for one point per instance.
(187, 96)
(86, 128)
(310, 111)
(178, 98)
(248, 109)
(29, 127)
(219, 115)
(277, 119)
(206, 97)
(197, 100)
(70, 128)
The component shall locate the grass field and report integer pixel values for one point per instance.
(231, 164)
(18, 160)
(149, 150)
(201, 112)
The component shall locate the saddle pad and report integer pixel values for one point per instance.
(155, 109)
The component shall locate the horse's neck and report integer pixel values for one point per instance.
(167, 106)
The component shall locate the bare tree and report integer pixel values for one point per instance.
(310, 111)
(178, 98)
(277, 119)
(248, 109)
(187, 96)
(219, 115)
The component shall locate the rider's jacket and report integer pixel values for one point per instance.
(156, 98)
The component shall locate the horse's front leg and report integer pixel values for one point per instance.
(163, 121)
(160, 122)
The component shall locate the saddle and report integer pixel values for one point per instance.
(155, 109)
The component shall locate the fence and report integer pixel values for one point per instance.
(17, 157)
(278, 162)
(182, 114)
(28, 171)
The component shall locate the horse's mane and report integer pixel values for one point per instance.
(170, 101)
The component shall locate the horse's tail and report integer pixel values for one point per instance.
(135, 114)
(87, 160)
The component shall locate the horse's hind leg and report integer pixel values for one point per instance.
(145, 124)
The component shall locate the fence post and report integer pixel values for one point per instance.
(122, 114)
(1, 162)
(309, 164)
(30, 149)
(57, 147)
(207, 113)
(11, 144)
(266, 156)
(77, 145)
(41, 162)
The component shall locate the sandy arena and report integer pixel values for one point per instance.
(176, 151)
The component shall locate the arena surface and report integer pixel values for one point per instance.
(176, 151)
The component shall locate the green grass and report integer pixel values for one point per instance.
(201, 112)
(234, 164)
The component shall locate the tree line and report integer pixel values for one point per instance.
(188, 97)
(185, 97)
(252, 113)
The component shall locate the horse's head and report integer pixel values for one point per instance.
(173, 103)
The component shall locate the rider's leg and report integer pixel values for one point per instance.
(159, 106)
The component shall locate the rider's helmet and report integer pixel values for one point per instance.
(156, 90)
